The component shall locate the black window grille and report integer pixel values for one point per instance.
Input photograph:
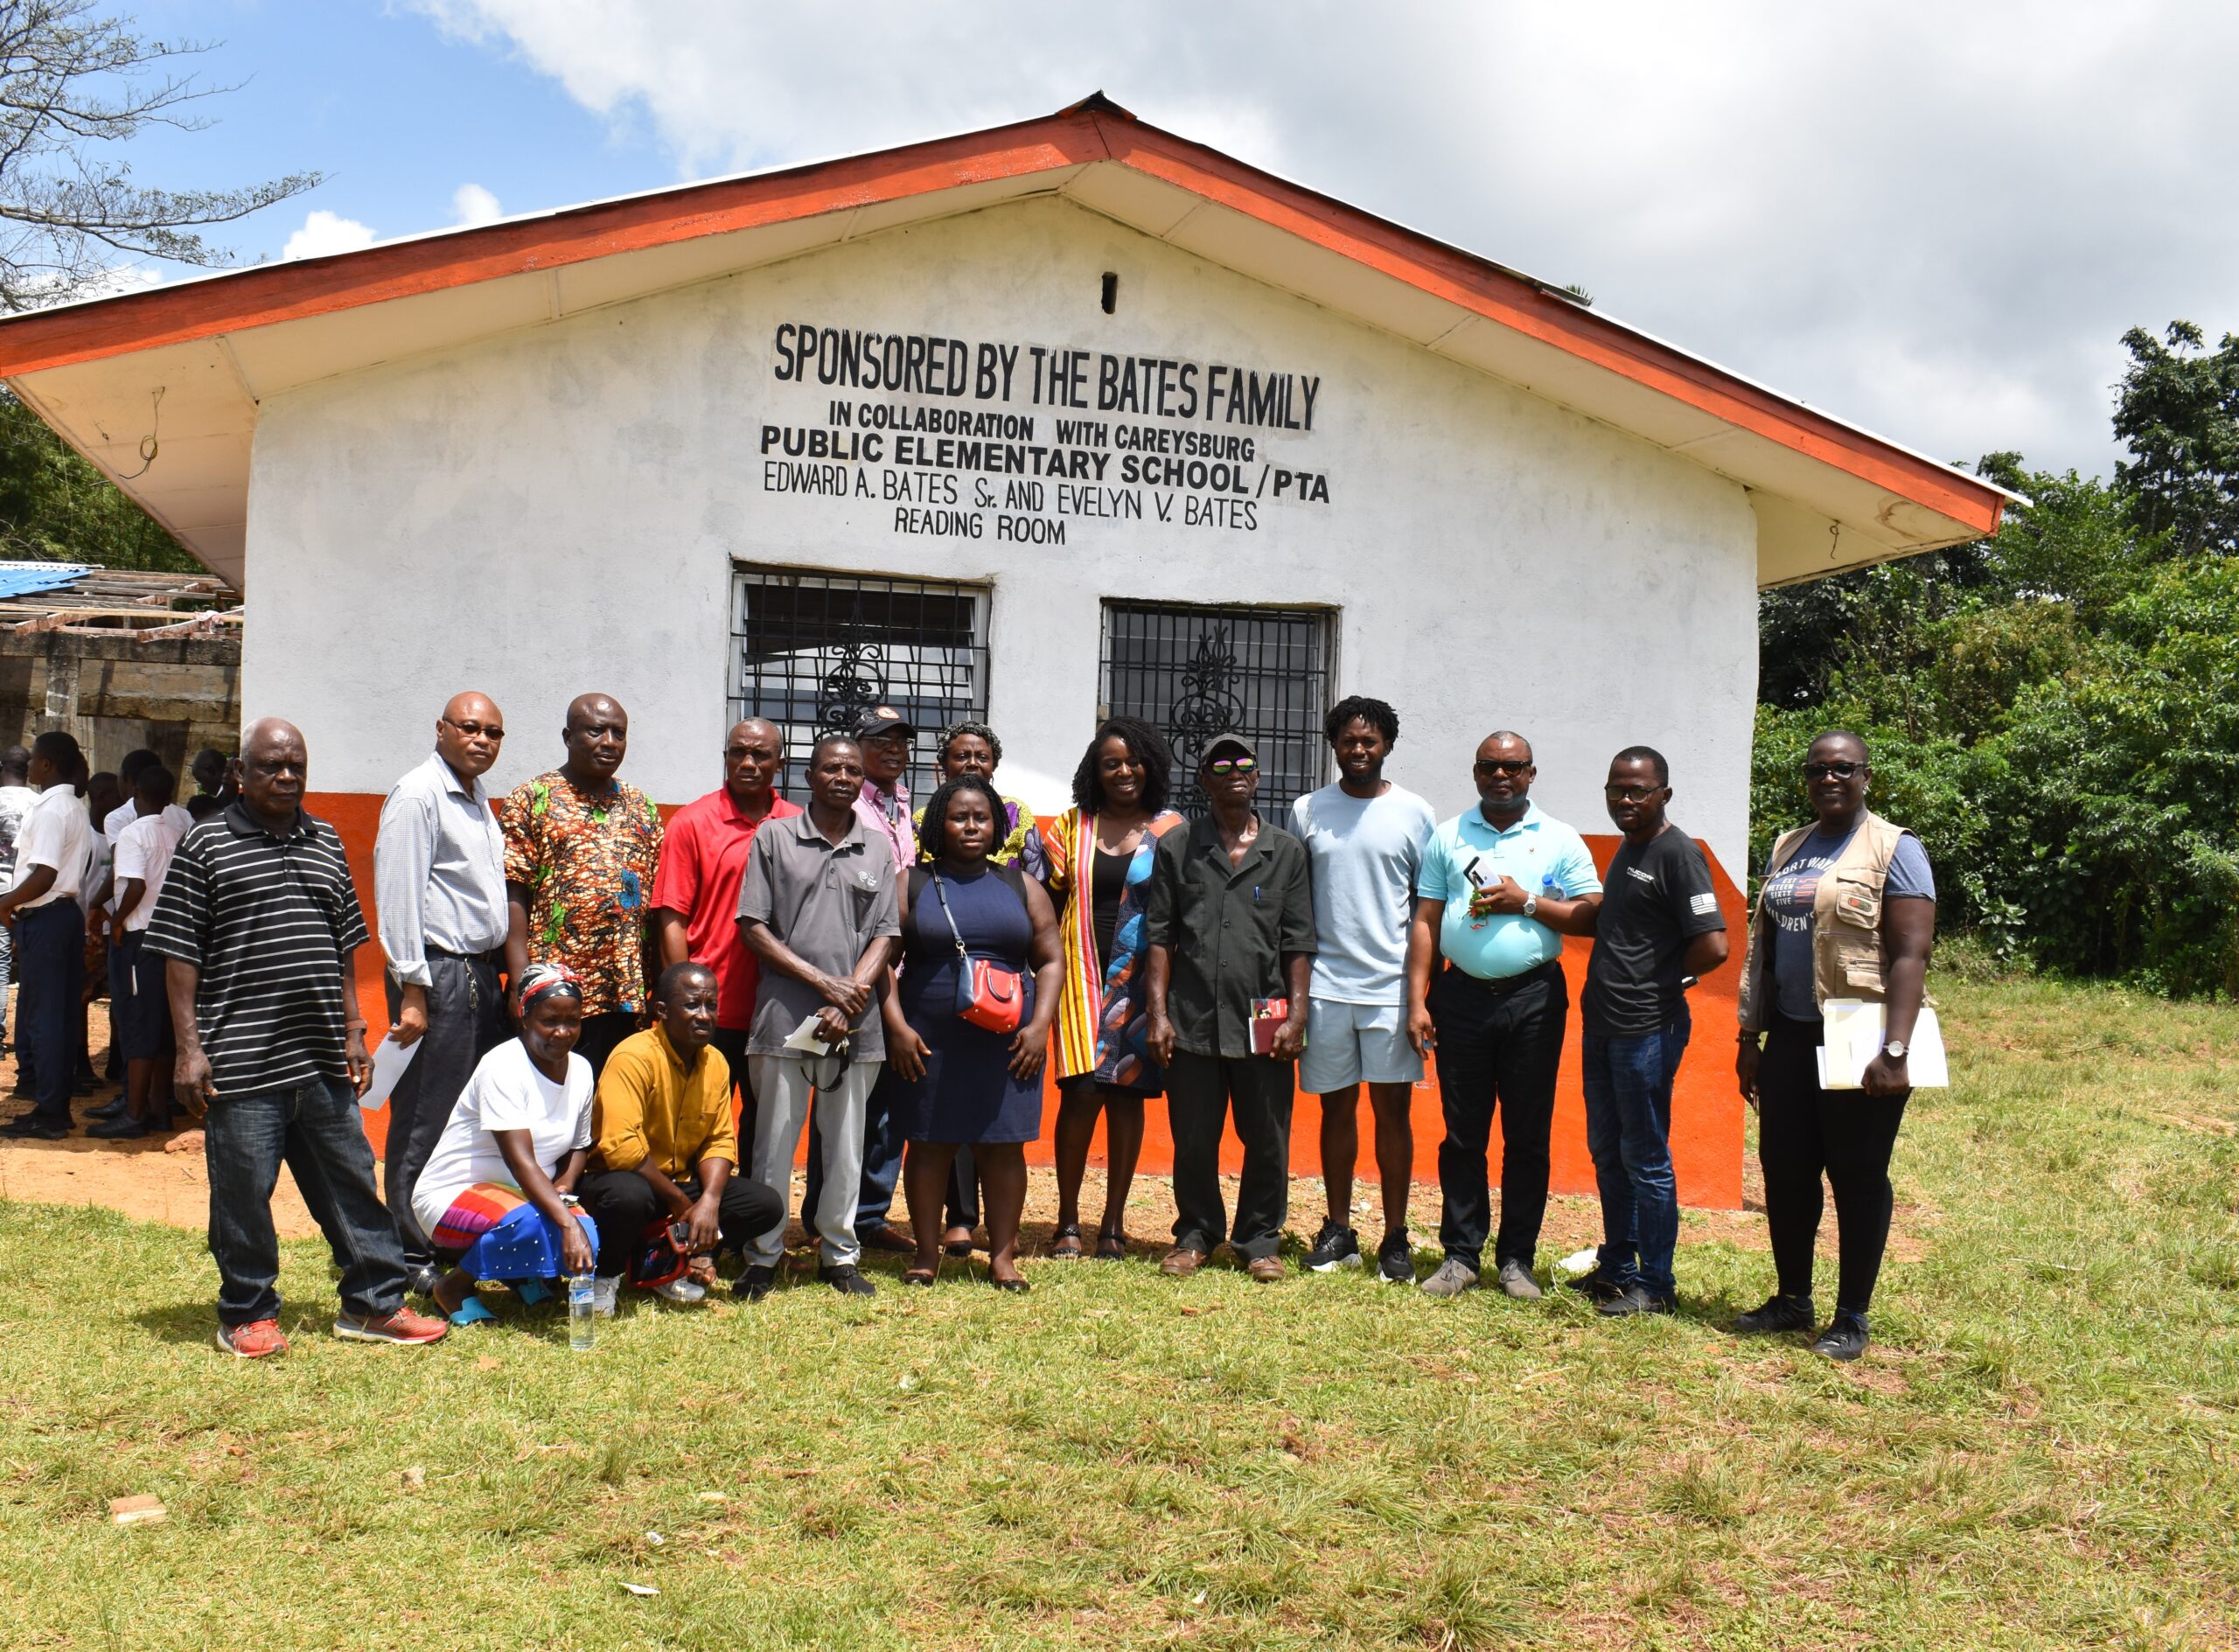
(816, 651)
(1193, 673)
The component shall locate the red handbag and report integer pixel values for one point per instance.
(987, 993)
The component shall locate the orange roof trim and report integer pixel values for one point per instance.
(1093, 131)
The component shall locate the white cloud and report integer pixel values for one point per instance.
(471, 204)
(323, 233)
(1933, 220)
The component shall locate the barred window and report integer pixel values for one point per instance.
(814, 652)
(1193, 673)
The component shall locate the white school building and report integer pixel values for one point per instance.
(1039, 421)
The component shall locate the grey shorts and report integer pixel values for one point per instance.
(1354, 1043)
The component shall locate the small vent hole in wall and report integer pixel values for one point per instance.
(1111, 292)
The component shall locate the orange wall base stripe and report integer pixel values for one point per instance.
(1706, 1110)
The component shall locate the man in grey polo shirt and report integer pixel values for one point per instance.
(818, 908)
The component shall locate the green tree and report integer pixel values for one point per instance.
(2178, 416)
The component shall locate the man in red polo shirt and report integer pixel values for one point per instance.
(695, 890)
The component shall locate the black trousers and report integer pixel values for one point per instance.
(963, 1189)
(624, 1204)
(1804, 1133)
(602, 1033)
(1201, 1092)
(1497, 1050)
(466, 1020)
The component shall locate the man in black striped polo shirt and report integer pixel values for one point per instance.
(258, 920)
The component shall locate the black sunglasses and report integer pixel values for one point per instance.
(1831, 770)
(1502, 765)
(470, 729)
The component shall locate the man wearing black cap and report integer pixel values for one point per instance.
(1229, 927)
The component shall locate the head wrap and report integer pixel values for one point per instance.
(541, 980)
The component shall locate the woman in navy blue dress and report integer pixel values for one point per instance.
(962, 1083)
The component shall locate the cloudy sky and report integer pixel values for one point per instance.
(1933, 220)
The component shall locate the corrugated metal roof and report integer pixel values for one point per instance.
(22, 579)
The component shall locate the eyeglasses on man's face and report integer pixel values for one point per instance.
(1629, 794)
(1832, 771)
(470, 729)
(1233, 765)
(1501, 765)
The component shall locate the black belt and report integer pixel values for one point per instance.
(494, 958)
(1506, 983)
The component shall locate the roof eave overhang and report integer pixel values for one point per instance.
(218, 344)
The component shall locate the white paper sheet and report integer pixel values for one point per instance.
(1855, 1037)
(390, 1059)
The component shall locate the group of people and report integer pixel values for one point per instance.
(83, 856)
(620, 1028)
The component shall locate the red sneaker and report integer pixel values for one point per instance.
(403, 1326)
(255, 1340)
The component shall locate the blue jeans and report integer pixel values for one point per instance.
(1628, 1131)
(50, 975)
(315, 1128)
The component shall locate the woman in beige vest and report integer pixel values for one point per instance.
(1847, 911)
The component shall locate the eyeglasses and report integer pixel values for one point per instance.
(1629, 794)
(470, 729)
(1233, 765)
(1502, 765)
(1831, 770)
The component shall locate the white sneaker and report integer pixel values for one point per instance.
(603, 1294)
(683, 1288)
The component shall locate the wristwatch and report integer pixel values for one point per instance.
(1530, 904)
(1894, 1049)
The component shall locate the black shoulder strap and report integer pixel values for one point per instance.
(918, 876)
(1013, 878)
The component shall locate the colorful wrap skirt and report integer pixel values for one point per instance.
(501, 1236)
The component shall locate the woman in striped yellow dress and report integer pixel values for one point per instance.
(1099, 855)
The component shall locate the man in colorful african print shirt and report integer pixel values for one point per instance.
(581, 849)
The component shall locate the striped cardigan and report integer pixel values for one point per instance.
(1101, 1020)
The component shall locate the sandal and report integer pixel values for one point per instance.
(1065, 1244)
(920, 1276)
(1111, 1244)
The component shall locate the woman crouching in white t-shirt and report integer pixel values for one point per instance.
(499, 1188)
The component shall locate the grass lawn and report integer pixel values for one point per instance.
(2038, 1452)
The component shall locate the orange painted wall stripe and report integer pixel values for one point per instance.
(1707, 1124)
(311, 286)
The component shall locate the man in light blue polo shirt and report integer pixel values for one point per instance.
(1500, 887)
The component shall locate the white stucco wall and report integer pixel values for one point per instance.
(558, 509)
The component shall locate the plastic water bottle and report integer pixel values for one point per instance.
(583, 1329)
(1548, 890)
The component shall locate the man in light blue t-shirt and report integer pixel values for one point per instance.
(1364, 837)
(1501, 886)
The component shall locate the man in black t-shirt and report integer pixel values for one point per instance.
(1658, 928)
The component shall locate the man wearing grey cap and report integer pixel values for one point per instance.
(1230, 927)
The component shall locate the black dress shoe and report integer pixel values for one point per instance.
(755, 1283)
(1845, 1340)
(847, 1280)
(108, 1109)
(33, 1126)
(1779, 1313)
(1595, 1286)
(123, 1127)
(1634, 1299)
(887, 1237)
